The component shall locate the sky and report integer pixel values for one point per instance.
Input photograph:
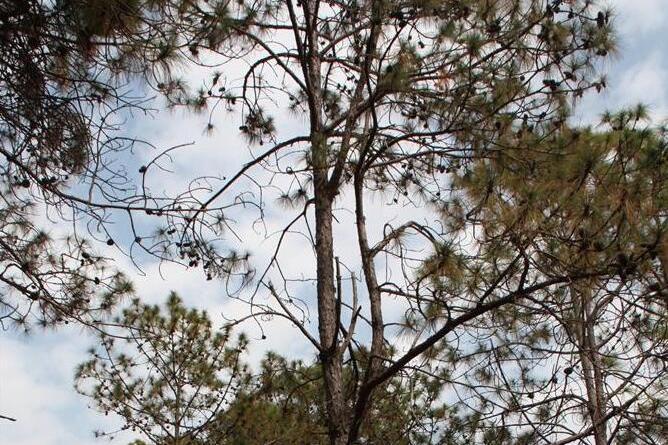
(36, 371)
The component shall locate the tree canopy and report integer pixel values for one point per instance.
(62, 99)
(581, 204)
(170, 377)
(471, 251)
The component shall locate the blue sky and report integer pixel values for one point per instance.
(36, 371)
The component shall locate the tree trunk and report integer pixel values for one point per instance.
(591, 364)
(328, 310)
(377, 324)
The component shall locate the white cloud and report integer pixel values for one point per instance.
(634, 17)
(644, 82)
(36, 389)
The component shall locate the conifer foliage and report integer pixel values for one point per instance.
(175, 380)
(171, 376)
(60, 104)
(506, 267)
(400, 99)
(585, 359)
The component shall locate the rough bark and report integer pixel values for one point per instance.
(328, 319)
(377, 324)
(591, 365)
(328, 316)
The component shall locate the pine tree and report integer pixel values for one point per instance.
(455, 110)
(63, 71)
(398, 96)
(579, 360)
(286, 406)
(169, 376)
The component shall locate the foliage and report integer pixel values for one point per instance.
(513, 245)
(285, 406)
(586, 357)
(60, 105)
(404, 100)
(170, 377)
(72, 73)
(175, 381)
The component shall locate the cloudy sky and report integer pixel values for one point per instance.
(36, 371)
